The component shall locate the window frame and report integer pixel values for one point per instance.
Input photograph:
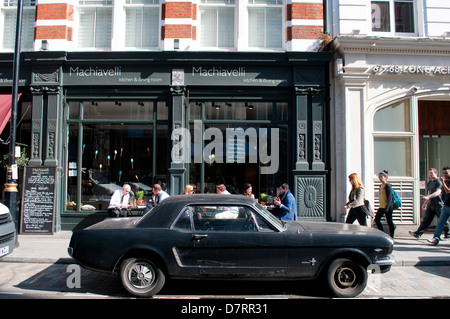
(75, 121)
(94, 5)
(142, 4)
(265, 6)
(214, 4)
(395, 135)
(10, 7)
(189, 209)
(392, 25)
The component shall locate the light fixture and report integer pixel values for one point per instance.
(216, 106)
(94, 103)
(118, 103)
(140, 103)
(44, 45)
(176, 44)
(249, 106)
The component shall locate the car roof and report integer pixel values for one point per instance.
(210, 198)
(164, 214)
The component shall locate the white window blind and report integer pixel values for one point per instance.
(265, 27)
(95, 24)
(142, 26)
(9, 27)
(217, 23)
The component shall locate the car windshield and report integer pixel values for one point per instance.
(270, 216)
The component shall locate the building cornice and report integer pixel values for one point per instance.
(395, 46)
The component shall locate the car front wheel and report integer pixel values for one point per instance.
(346, 278)
(141, 277)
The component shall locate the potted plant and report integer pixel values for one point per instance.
(263, 198)
(140, 197)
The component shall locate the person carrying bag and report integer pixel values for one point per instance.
(356, 202)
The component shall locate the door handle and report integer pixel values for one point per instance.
(199, 236)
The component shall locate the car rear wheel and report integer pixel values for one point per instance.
(346, 278)
(141, 277)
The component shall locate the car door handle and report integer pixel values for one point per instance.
(199, 236)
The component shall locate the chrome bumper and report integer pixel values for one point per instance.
(385, 262)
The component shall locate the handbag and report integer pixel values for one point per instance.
(368, 208)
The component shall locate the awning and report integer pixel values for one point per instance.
(5, 109)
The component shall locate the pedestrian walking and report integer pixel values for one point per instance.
(445, 214)
(386, 203)
(432, 204)
(358, 210)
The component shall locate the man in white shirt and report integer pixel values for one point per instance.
(120, 202)
(158, 194)
(222, 189)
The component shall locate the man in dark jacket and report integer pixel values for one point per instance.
(445, 214)
(286, 208)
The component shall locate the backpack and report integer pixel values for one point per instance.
(396, 199)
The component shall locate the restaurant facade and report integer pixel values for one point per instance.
(108, 118)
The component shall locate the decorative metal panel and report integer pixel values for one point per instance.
(310, 197)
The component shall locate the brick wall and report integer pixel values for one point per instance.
(53, 21)
(304, 20)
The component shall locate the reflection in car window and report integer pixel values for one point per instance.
(184, 222)
(262, 224)
(270, 216)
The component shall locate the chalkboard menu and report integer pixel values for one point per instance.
(38, 196)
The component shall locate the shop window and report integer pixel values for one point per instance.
(393, 139)
(394, 152)
(393, 16)
(217, 19)
(126, 110)
(142, 23)
(112, 143)
(9, 11)
(395, 117)
(265, 23)
(238, 161)
(95, 24)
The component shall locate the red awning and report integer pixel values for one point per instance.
(5, 109)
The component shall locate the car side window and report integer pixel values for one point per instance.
(184, 220)
(223, 218)
(262, 224)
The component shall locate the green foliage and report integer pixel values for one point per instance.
(21, 161)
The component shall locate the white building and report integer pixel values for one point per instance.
(390, 96)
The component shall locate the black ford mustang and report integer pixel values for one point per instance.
(229, 236)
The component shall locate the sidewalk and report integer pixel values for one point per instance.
(408, 251)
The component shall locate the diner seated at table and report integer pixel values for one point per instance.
(120, 202)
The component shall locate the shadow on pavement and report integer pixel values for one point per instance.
(62, 278)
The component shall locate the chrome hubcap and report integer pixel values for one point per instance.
(141, 275)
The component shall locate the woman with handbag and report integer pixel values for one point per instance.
(386, 203)
(358, 210)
